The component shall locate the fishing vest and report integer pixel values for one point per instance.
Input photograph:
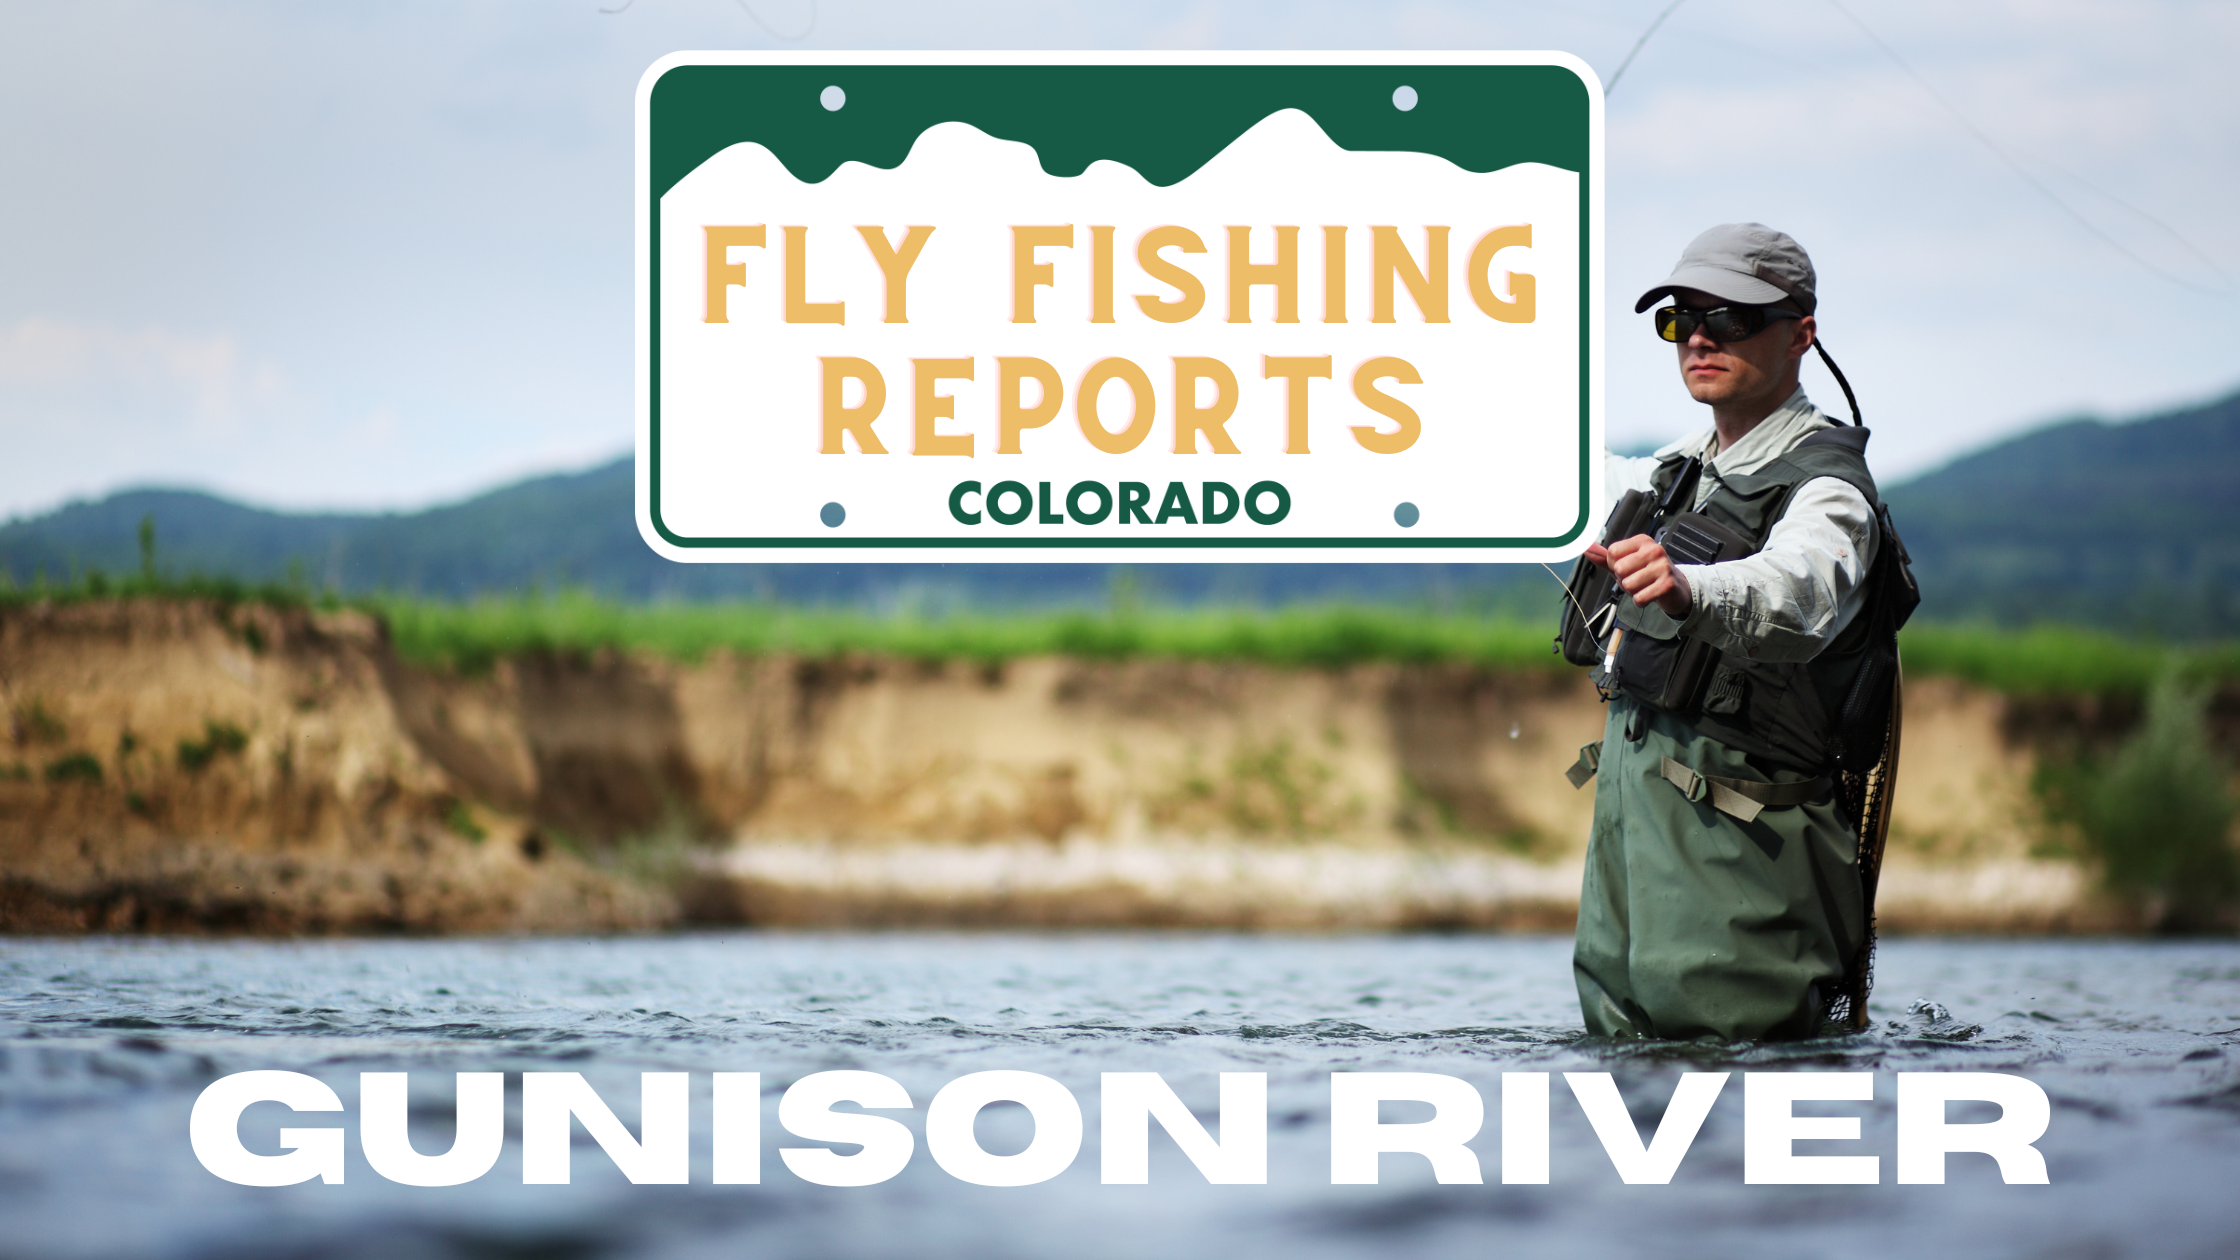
(1829, 713)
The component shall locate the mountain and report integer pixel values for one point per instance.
(2082, 521)
(580, 530)
(2085, 521)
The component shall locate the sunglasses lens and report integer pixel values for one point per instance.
(1720, 323)
(1734, 323)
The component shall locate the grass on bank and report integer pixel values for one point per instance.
(471, 635)
(2061, 660)
(2045, 659)
(94, 584)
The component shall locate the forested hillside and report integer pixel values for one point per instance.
(578, 530)
(2084, 521)
(2107, 524)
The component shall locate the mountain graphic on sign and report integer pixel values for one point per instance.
(1165, 120)
(1288, 139)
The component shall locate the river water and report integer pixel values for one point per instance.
(105, 1044)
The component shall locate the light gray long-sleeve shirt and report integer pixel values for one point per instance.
(1801, 589)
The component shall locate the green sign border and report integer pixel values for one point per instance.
(1164, 119)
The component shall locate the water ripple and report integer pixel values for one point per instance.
(105, 1043)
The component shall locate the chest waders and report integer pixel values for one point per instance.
(1743, 807)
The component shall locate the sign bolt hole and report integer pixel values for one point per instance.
(832, 98)
(832, 513)
(1403, 98)
(1406, 515)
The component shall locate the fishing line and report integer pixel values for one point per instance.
(1586, 623)
(2167, 230)
(757, 18)
(2018, 167)
(748, 9)
(1612, 86)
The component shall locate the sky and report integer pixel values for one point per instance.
(378, 256)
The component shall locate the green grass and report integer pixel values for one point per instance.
(470, 636)
(2060, 660)
(94, 584)
(2046, 659)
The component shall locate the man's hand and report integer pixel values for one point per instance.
(1645, 572)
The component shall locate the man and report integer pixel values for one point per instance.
(1722, 897)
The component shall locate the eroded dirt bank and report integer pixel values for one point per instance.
(172, 766)
(180, 766)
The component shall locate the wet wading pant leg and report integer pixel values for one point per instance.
(1693, 923)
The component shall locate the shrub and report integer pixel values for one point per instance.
(40, 726)
(460, 819)
(2157, 816)
(218, 739)
(76, 768)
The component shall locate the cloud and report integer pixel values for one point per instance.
(85, 407)
(58, 370)
(377, 254)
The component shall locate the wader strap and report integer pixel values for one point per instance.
(1745, 799)
(1590, 760)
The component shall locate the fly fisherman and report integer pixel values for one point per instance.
(1723, 893)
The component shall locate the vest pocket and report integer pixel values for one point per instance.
(1729, 693)
(1667, 673)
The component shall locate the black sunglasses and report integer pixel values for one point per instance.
(1720, 323)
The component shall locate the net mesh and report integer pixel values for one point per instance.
(1865, 800)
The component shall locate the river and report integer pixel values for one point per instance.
(106, 1042)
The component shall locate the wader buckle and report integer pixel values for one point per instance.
(1590, 760)
(1743, 799)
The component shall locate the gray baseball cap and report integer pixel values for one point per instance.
(1742, 262)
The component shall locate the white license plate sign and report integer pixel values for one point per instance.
(978, 307)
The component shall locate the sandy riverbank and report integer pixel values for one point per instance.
(173, 765)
